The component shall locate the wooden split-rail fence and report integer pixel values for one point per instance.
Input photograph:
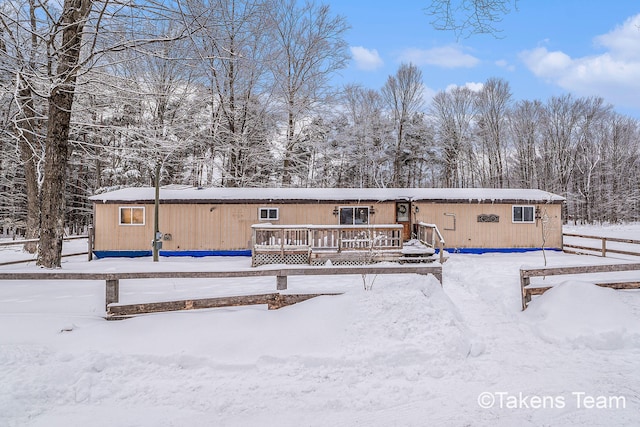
(528, 290)
(25, 241)
(586, 246)
(115, 310)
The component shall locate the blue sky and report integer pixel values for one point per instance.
(546, 48)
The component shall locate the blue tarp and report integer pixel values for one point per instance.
(496, 250)
(137, 254)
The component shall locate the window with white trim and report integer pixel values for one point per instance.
(132, 215)
(523, 214)
(354, 215)
(268, 214)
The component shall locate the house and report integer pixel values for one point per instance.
(218, 221)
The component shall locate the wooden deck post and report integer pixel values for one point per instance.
(281, 282)
(112, 293)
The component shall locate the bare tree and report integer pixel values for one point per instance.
(20, 59)
(492, 104)
(525, 135)
(67, 44)
(404, 96)
(617, 190)
(73, 38)
(588, 155)
(364, 141)
(453, 113)
(560, 130)
(309, 48)
(233, 48)
(468, 17)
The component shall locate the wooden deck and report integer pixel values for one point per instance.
(342, 244)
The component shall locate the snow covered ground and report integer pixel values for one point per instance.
(408, 352)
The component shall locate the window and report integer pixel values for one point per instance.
(523, 214)
(268, 214)
(403, 213)
(354, 215)
(132, 216)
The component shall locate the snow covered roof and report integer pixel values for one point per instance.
(238, 195)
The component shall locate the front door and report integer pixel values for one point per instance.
(403, 216)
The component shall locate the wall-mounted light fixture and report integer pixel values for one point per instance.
(336, 211)
(372, 210)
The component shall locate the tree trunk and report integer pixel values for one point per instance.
(27, 142)
(289, 149)
(57, 141)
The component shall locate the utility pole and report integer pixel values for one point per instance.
(156, 228)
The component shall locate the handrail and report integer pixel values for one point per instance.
(435, 227)
(435, 230)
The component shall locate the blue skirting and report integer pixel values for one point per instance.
(478, 251)
(137, 254)
(198, 254)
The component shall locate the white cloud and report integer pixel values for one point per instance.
(612, 74)
(447, 57)
(624, 40)
(504, 64)
(366, 59)
(472, 86)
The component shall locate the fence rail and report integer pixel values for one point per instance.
(603, 249)
(528, 290)
(22, 242)
(112, 283)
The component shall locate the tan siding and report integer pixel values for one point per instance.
(470, 233)
(228, 226)
(110, 235)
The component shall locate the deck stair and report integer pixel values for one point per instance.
(414, 251)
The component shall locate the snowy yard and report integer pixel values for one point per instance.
(408, 352)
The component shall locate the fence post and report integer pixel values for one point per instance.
(604, 247)
(524, 282)
(281, 282)
(90, 237)
(112, 291)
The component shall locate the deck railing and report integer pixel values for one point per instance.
(326, 237)
(429, 235)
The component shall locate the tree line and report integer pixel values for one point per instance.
(98, 95)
